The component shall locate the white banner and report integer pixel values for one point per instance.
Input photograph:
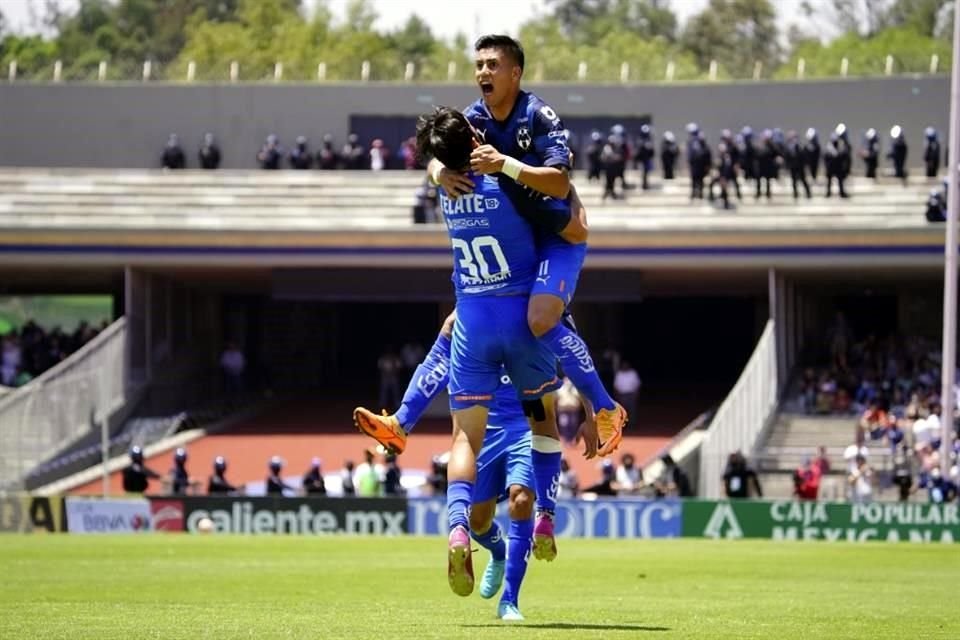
(93, 515)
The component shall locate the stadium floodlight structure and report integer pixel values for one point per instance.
(949, 362)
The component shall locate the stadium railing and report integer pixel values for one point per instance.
(63, 404)
(741, 418)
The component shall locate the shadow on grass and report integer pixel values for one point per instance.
(570, 626)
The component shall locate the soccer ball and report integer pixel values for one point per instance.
(205, 525)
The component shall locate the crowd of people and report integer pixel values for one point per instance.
(272, 155)
(626, 480)
(753, 157)
(28, 352)
(368, 479)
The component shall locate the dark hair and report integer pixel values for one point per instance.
(447, 136)
(505, 43)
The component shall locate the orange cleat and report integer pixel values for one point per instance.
(385, 429)
(610, 424)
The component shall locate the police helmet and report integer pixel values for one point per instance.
(896, 131)
(669, 137)
(617, 130)
(746, 132)
(841, 129)
(811, 133)
(930, 132)
(136, 454)
(301, 140)
(645, 129)
(871, 134)
(596, 136)
(180, 455)
(276, 463)
(220, 464)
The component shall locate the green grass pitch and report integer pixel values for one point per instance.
(222, 587)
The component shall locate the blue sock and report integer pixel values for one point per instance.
(546, 471)
(492, 540)
(428, 380)
(458, 504)
(518, 553)
(574, 357)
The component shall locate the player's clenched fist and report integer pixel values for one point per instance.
(485, 159)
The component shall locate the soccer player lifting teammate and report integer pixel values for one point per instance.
(494, 269)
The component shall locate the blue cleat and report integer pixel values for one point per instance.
(492, 579)
(508, 612)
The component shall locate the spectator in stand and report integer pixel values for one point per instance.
(593, 151)
(860, 480)
(644, 156)
(939, 489)
(218, 481)
(738, 477)
(898, 153)
(274, 483)
(391, 477)
(822, 461)
(673, 481)
(835, 162)
(767, 163)
(270, 154)
(871, 153)
(626, 386)
(10, 360)
(668, 154)
(811, 153)
(137, 476)
(568, 411)
(607, 485)
(209, 153)
(179, 482)
(437, 480)
(368, 476)
(173, 156)
(327, 157)
(806, 480)
(796, 163)
(698, 160)
(390, 367)
(233, 365)
(873, 423)
(903, 472)
(379, 154)
(425, 207)
(300, 155)
(931, 152)
(312, 483)
(569, 483)
(352, 155)
(346, 479)
(629, 476)
(408, 153)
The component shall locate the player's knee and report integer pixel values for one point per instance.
(480, 521)
(541, 318)
(521, 503)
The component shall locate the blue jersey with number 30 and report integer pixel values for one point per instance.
(493, 247)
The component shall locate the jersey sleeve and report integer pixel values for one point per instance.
(550, 137)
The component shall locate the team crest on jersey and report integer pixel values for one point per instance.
(523, 138)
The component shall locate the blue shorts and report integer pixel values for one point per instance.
(504, 461)
(560, 265)
(490, 332)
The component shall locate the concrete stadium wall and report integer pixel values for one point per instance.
(79, 125)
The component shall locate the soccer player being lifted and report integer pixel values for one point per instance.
(495, 264)
(534, 175)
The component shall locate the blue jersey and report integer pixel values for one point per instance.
(494, 249)
(534, 135)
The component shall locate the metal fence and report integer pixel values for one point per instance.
(740, 419)
(63, 404)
